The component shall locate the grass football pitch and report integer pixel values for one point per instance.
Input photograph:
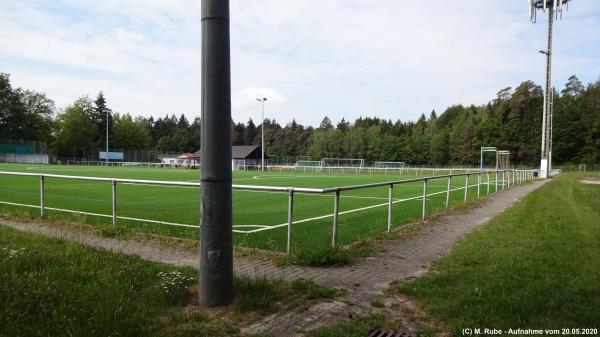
(363, 213)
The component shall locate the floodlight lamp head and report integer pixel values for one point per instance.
(555, 5)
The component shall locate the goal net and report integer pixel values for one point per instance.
(389, 164)
(342, 162)
(116, 163)
(503, 160)
(308, 163)
(239, 165)
(488, 159)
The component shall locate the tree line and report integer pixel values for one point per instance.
(510, 121)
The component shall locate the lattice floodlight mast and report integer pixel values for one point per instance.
(487, 149)
(555, 10)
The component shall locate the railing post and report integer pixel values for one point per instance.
(424, 198)
(114, 203)
(290, 219)
(478, 184)
(448, 191)
(42, 196)
(336, 210)
(503, 179)
(390, 198)
(488, 183)
(466, 188)
(496, 181)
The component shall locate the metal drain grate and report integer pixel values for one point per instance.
(385, 333)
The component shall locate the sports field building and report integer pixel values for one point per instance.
(241, 157)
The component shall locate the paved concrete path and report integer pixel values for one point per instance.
(364, 280)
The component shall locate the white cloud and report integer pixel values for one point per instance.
(247, 97)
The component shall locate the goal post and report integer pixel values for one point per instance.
(308, 163)
(488, 154)
(503, 160)
(239, 165)
(389, 164)
(343, 162)
(394, 166)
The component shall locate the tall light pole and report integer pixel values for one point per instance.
(106, 137)
(262, 131)
(554, 8)
(216, 237)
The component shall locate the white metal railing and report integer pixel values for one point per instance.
(507, 178)
(410, 170)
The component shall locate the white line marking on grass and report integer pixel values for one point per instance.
(329, 195)
(293, 176)
(348, 211)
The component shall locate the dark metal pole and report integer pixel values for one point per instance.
(216, 247)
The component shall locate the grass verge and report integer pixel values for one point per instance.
(535, 266)
(51, 287)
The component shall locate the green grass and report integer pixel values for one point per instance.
(358, 327)
(251, 208)
(50, 287)
(536, 266)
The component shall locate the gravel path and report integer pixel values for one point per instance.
(364, 280)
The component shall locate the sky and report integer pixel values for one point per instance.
(311, 58)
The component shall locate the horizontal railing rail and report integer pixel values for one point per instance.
(508, 178)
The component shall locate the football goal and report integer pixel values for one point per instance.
(115, 163)
(308, 165)
(503, 160)
(239, 165)
(389, 165)
(342, 162)
(488, 159)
